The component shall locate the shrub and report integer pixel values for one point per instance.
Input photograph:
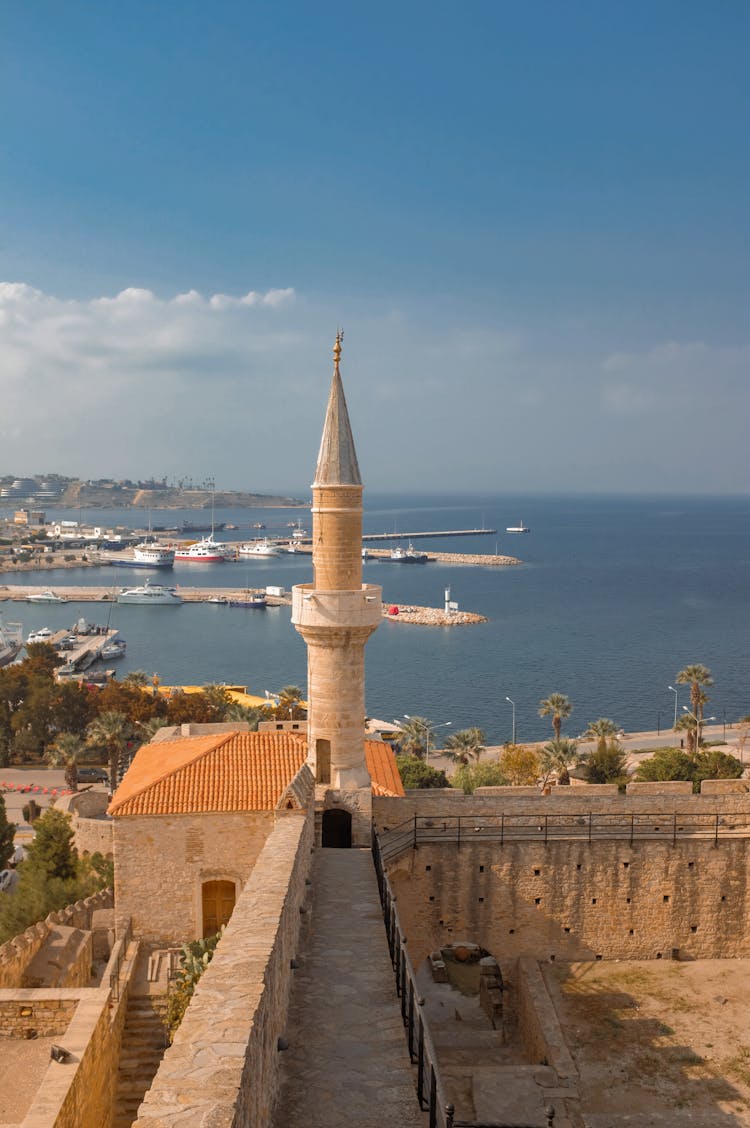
(415, 774)
(194, 960)
(470, 776)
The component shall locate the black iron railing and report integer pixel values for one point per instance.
(430, 1092)
(545, 828)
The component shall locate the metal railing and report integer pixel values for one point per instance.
(545, 828)
(430, 1091)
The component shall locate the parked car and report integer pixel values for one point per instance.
(7, 880)
(93, 775)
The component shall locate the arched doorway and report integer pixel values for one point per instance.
(218, 905)
(337, 829)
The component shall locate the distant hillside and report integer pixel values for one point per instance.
(114, 496)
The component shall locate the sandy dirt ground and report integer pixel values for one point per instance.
(22, 1067)
(658, 1043)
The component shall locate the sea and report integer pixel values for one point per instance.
(613, 597)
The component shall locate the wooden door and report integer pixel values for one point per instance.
(218, 904)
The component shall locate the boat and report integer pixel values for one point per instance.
(113, 649)
(46, 597)
(365, 554)
(300, 533)
(150, 595)
(44, 634)
(408, 555)
(219, 600)
(190, 527)
(518, 528)
(250, 600)
(11, 641)
(258, 525)
(292, 547)
(205, 551)
(150, 556)
(260, 548)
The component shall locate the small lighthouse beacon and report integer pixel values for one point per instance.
(335, 615)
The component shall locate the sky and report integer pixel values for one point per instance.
(531, 220)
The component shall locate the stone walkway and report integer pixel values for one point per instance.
(347, 1063)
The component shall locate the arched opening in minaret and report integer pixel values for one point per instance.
(337, 829)
(323, 761)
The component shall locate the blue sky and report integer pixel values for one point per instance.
(531, 220)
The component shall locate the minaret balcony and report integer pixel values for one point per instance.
(348, 609)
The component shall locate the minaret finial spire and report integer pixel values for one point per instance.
(337, 349)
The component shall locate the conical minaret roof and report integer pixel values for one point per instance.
(337, 459)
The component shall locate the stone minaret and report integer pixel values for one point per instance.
(337, 613)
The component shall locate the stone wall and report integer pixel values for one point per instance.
(17, 954)
(226, 1072)
(541, 1034)
(571, 899)
(91, 836)
(48, 1016)
(162, 861)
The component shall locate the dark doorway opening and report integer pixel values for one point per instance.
(337, 829)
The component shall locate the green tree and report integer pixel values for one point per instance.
(558, 707)
(465, 745)
(51, 850)
(557, 758)
(7, 831)
(245, 713)
(520, 765)
(607, 763)
(218, 697)
(110, 732)
(138, 678)
(468, 777)
(416, 774)
(714, 764)
(66, 751)
(688, 724)
(666, 764)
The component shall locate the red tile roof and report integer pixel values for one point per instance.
(239, 771)
(381, 764)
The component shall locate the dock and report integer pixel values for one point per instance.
(422, 536)
(87, 648)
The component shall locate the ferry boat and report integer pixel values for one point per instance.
(150, 556)
(518, 528)
(408, 555)
(260, 548)
(46, 597)
(205, 551)
(150, 595)
(11, 641)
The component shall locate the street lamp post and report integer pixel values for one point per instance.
(699, 723)
(428, 729)
(674, 691)
(513, 704)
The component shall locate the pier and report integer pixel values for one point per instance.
(422, 536)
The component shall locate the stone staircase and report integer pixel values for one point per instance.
(143, 1045)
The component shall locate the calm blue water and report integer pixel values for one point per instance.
(613, 598)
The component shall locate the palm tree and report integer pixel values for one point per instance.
(601, 730)
(138, 677)
(413, 736)
(65, 751)
(696, 676)
(688, 723)
(218, 697)
(559, 707)
(465, 745)
(237, 712)
(290, 699)
(556, 758)
(110, 731)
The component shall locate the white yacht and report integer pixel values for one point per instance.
(46, 597)
(260, 548)
(150, 595)
(205, 551)
(44, 634)
(11, 641)
(113, 649)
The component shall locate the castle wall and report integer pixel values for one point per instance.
(91, 836)
(223, 1065)
(16, 954)
(574, 899)
(161, 862)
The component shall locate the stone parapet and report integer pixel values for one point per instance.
(336, 610)
(222, 1068)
